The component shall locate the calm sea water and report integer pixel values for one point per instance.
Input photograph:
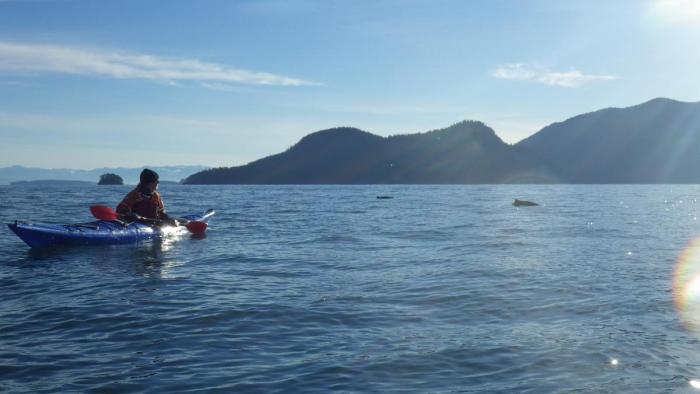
(321, 289)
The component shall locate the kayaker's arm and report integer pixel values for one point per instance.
(162, 215)
(126, 205)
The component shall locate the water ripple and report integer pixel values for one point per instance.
(442, 289)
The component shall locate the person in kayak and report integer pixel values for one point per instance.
(145, 201)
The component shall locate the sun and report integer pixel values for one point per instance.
(676, 10)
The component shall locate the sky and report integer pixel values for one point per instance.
(87, 84)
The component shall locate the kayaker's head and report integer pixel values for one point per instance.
(148, 181)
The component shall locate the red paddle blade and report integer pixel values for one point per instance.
(197, 227)
(103, 213)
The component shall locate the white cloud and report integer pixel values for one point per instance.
(572, 79)
(517, 71)
(218, 86)
(19, 58)
(543, 75)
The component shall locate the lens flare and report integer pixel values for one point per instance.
(686, 286)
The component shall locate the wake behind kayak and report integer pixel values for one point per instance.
(101, 232)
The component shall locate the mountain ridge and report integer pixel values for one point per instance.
(650, 142)
(348, 155)
(646, 143)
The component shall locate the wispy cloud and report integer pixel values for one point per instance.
(187, 123)
(540, 74)
(14, 83)
(26, 123)
(218, 86)
(19, 58)
(388, 110)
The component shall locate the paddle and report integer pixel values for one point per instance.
(106, 213)
(103, 213)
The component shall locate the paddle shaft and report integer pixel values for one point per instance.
(106, 213)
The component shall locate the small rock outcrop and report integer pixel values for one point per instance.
(110, 179)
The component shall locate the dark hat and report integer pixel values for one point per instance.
(148, 176)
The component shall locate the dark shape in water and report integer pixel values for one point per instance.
(384, 197)
(523, 203)
(110, 179)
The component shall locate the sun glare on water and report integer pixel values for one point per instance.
(171, 231)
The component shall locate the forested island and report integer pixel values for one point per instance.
(654, 142)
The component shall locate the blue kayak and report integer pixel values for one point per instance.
(101, 232)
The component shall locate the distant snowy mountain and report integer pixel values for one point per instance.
(130, 175)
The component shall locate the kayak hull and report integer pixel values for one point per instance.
(94, 233)
(100, 232)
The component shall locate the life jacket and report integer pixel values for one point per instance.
(143, 204)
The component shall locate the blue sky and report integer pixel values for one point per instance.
(87, 84)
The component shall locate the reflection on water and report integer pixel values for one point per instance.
(153, 258)
(153, 261)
